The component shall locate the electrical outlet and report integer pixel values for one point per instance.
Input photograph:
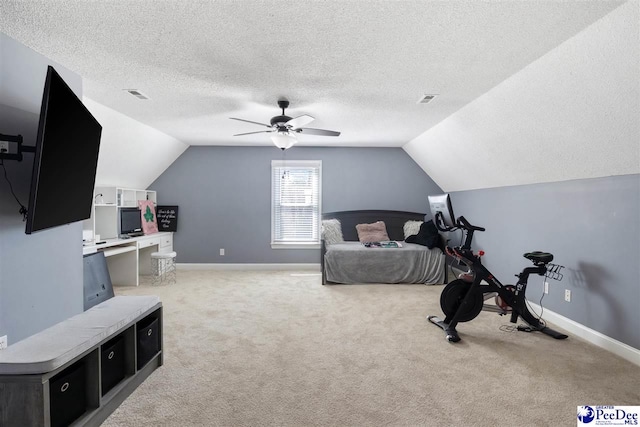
(3, 342)
(222, 251)
(567, 295)
(4, 146)
(546, 287)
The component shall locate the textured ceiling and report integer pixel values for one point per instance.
(358, 67)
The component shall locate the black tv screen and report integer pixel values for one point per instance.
(66, 157)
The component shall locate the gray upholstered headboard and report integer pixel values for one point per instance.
(394, 221)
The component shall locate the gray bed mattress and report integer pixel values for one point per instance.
(352, 262)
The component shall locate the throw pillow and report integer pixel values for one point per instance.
(375, 232)
(332, 231)
(411, 228)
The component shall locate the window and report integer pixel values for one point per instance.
(295, 203)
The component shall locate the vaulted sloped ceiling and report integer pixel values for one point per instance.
(572, 114)
(358, 67)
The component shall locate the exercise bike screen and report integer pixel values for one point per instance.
(441, 204)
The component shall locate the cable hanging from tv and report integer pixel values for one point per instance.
(5, 140)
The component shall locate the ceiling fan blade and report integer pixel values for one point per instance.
(312, 131)
(298, 122)
(251, 133)
(249, 121)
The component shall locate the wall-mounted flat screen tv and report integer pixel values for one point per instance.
(66, 157)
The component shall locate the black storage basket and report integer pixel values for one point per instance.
(112, 359)
(67, 392)
(148, 339)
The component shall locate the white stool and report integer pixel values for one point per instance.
(163, 267)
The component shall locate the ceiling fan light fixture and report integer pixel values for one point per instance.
(283, 129)
(283, 140)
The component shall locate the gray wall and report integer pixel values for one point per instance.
(224, 195)
(40, 274)
(591, 226)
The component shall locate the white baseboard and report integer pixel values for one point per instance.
(248, 267)
(594, 337)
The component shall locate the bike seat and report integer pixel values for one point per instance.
(539, 257)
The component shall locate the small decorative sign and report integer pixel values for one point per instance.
(167, 218)
(148, 213)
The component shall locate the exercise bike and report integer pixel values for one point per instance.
(463, 299)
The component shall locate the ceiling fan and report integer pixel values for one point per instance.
(285, 128)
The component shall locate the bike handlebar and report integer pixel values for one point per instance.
(466, 225)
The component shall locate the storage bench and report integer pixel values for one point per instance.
(80, 370)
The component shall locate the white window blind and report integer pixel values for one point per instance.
(295, 192)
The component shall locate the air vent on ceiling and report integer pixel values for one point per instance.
(137, 93)
(425, 99)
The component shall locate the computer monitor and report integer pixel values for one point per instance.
(442, 212)
(130, 221)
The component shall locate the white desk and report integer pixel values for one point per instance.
(129, 258)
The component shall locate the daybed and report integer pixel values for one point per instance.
(351, 261)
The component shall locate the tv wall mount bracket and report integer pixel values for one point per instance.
(5, 147)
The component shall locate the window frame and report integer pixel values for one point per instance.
(316, 164)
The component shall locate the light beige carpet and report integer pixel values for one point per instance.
(276, 349)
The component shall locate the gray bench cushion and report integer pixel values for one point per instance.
(57, 345)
